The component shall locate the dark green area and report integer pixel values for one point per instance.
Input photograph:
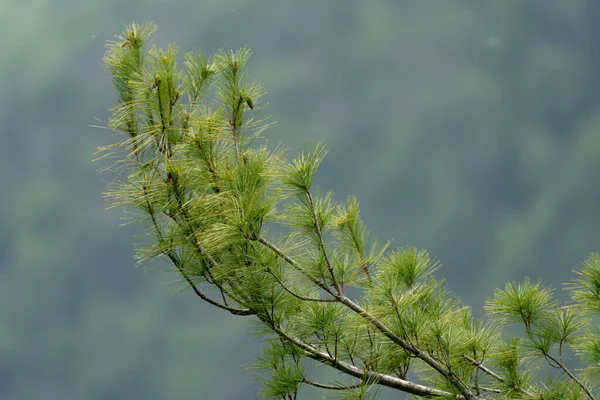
(470, 129)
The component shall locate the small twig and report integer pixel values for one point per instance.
(349, 353)
(364, 265)
(477, 370)
(484, 368)
(294, 264)
(192, 107)
(234, 311)
(298, 296)
(331, 387)
(234, 127)
(163, 144)
(491, 373)
(490, 390)
(322, 244)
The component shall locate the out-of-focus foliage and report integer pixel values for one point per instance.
(466, 128)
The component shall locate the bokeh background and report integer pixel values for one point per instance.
(468, 128)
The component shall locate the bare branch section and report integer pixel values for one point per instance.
(193, 164)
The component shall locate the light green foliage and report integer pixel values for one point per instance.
(248, 232)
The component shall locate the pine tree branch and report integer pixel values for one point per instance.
(572, 376)
(429, 360)
(485, 369)
(492, 374)
(158, 150)
(382, 379)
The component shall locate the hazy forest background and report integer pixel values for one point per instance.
(468, 128)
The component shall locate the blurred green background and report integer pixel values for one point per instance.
(468, 128)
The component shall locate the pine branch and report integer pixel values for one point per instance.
(492, 374)
(428, 359)
(193, 171)
(572, 376)
(385, 380)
